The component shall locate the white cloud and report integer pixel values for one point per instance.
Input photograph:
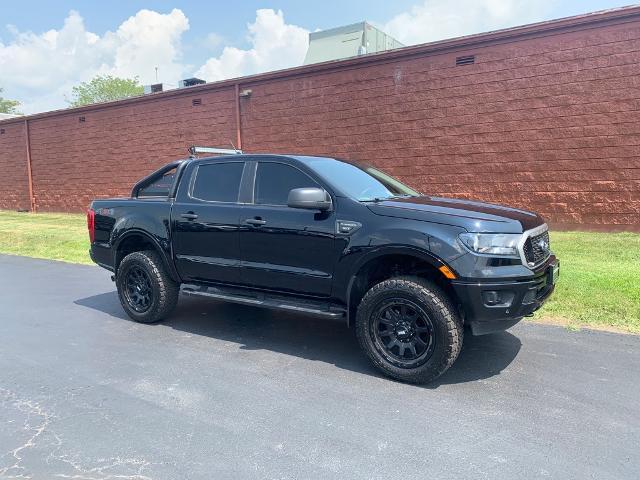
(40, 69)
(148, 40)
(439, 19)
(274, 45)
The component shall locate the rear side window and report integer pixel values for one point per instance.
(274, 181)
(218, 182)
(160, 187)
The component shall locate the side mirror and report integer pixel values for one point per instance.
(309, 198)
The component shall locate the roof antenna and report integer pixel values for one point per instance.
(234, 147)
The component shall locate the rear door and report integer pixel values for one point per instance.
(205, 220)
(282, 248)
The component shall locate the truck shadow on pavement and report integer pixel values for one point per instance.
(328, 341)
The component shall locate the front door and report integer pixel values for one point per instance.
(205, 217)
(282, 248)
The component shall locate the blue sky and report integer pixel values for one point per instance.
(46, 47)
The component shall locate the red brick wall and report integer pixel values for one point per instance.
(549, 123)
(74, 162)
(14, 186)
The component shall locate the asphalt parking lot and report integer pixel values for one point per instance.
(224, 391)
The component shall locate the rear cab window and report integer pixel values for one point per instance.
(159, 188)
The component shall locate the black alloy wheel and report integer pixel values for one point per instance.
(138, 291)
(146, 290)
(403, 332)
(409, 329)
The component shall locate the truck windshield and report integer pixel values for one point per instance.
(363, 183)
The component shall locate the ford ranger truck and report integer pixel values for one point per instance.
(330, 238)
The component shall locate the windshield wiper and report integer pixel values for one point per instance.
(390, 197)
(402, 195)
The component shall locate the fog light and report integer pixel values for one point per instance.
(491, 297)
(497, 298)
(529, 297)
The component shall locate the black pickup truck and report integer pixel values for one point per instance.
(331, 238)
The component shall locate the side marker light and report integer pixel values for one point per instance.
(446, 271)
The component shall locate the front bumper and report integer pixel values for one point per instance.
(491, 306)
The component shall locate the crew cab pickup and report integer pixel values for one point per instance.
(326, 237)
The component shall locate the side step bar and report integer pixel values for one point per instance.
(259, 299)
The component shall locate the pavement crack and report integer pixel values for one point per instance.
(36, 425)
(33, 410)
(101, 472)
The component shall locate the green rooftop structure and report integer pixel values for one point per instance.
(349, 41)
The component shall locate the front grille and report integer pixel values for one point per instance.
(537, 248)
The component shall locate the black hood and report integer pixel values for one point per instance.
(470, 215)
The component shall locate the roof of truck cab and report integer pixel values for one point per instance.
(306, 159)
(310, 158)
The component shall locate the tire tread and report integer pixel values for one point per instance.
(167, 291)
(424, 290)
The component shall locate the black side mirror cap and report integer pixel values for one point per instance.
(310, 198)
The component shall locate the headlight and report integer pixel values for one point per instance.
(503, 244)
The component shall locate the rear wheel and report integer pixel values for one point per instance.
(409, 329)
(146, 291)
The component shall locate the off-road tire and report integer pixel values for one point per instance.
(447, 327)
(165, 291)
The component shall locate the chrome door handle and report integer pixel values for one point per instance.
(255, 221)
(189, 216)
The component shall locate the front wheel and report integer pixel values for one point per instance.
(409, 329)
(146, 291)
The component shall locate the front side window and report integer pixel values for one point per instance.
(362, 183)
(274, 181)
(218, 182)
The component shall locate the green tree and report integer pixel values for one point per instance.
(8, 106)
(104, 88)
